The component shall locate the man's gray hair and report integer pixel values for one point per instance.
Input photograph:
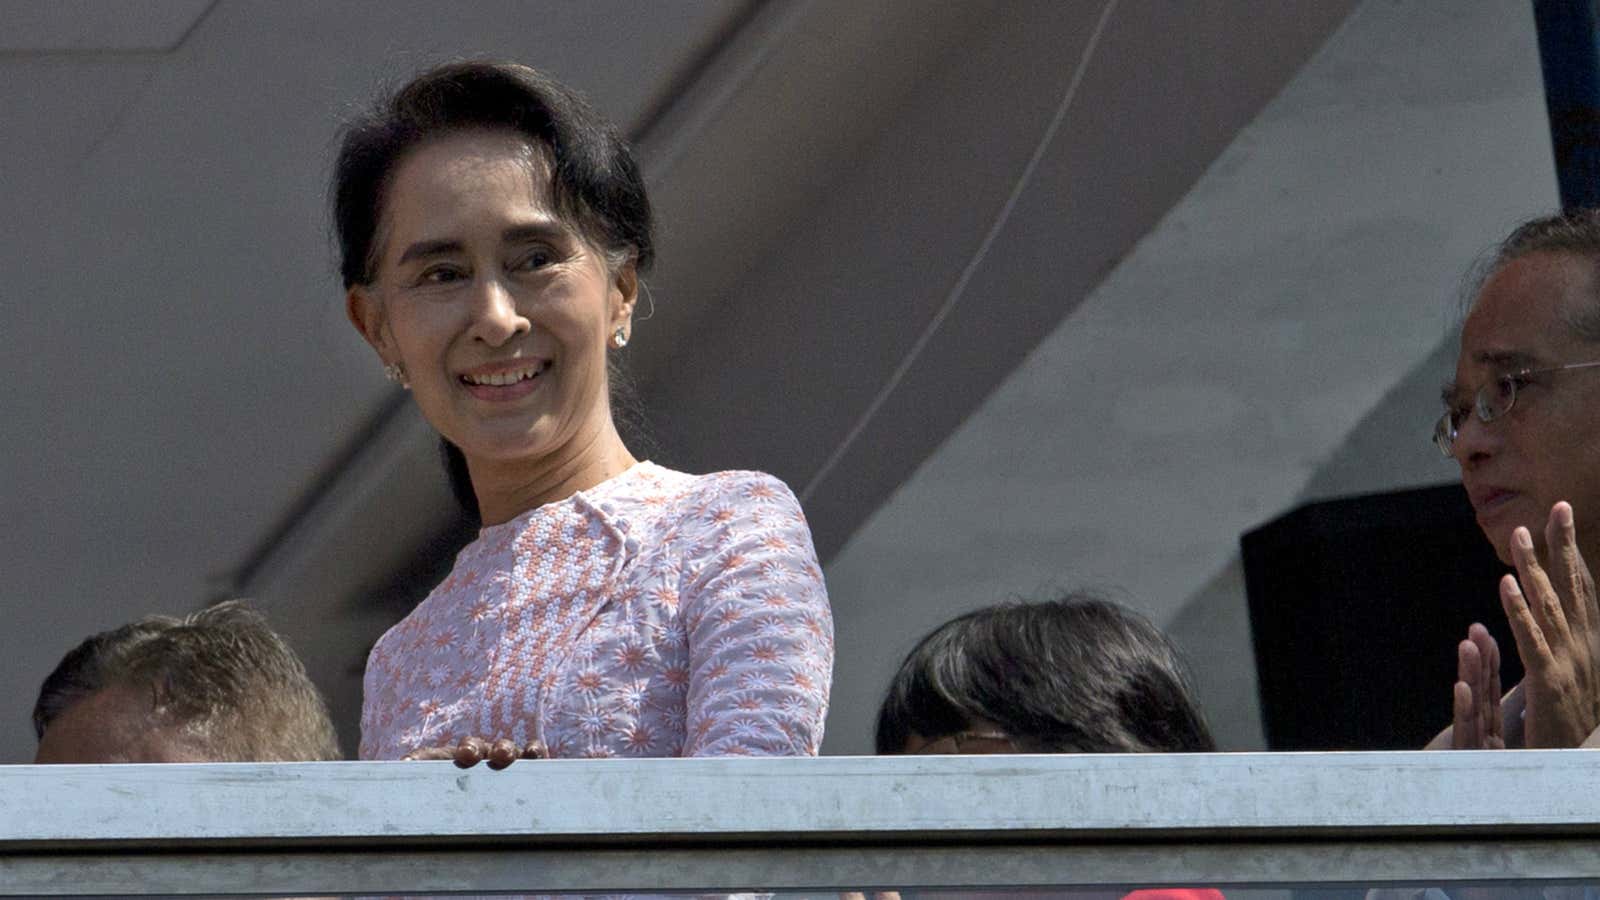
(221, 679)
(1575, 232)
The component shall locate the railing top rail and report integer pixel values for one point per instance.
(1350, 796)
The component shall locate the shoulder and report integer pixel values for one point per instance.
(716, 497)
(705, 517)
(724, 504)
(741, 486)
(748, 526)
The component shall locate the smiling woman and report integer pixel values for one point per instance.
(493, 230)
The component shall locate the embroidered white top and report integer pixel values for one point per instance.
(656, 614)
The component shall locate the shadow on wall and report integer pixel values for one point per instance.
(1370, 460)
(1213, 630)
(1213, 626)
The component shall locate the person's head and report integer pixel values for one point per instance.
(492, 231)
(1534, 320)
(217, 686)
(1075, 675)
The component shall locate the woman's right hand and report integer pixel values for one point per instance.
(472, 750)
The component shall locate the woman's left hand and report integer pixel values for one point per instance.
(472, 750)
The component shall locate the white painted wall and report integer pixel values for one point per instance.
(177, 369)
(1213, 378)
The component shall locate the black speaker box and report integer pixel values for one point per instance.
(1356, 608)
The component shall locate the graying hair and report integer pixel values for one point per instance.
(220, 679)
(1575, 232)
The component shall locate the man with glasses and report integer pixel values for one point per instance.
(1522, 420)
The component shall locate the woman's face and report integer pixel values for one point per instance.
(498, 311)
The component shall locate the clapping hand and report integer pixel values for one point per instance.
(1478, 722)
(1556, 622)
(472, 750)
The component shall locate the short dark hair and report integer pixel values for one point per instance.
(1575, 232)
(595, 183)
(221, 677)
(1075, 675)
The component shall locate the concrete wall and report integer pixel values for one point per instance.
(1279, 337)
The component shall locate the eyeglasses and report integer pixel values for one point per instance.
(1492, 401)
(971, 742)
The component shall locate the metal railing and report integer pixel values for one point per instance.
(830, 824)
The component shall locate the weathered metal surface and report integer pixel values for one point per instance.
(831, 798)
(817, 824)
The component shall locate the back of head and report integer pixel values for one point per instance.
(220, 682)
(1079, 674)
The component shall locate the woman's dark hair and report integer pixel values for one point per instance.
(1075, 675)
(595, 184)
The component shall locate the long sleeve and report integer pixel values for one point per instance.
(760, 631)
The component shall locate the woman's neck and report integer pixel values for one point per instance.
(508, 488)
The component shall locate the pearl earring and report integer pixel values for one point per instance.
(619, 338)
(397, 374)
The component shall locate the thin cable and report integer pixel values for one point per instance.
(971, 269)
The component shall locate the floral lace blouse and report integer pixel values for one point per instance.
(656, 614)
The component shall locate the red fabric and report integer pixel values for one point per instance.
(1176, 894)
